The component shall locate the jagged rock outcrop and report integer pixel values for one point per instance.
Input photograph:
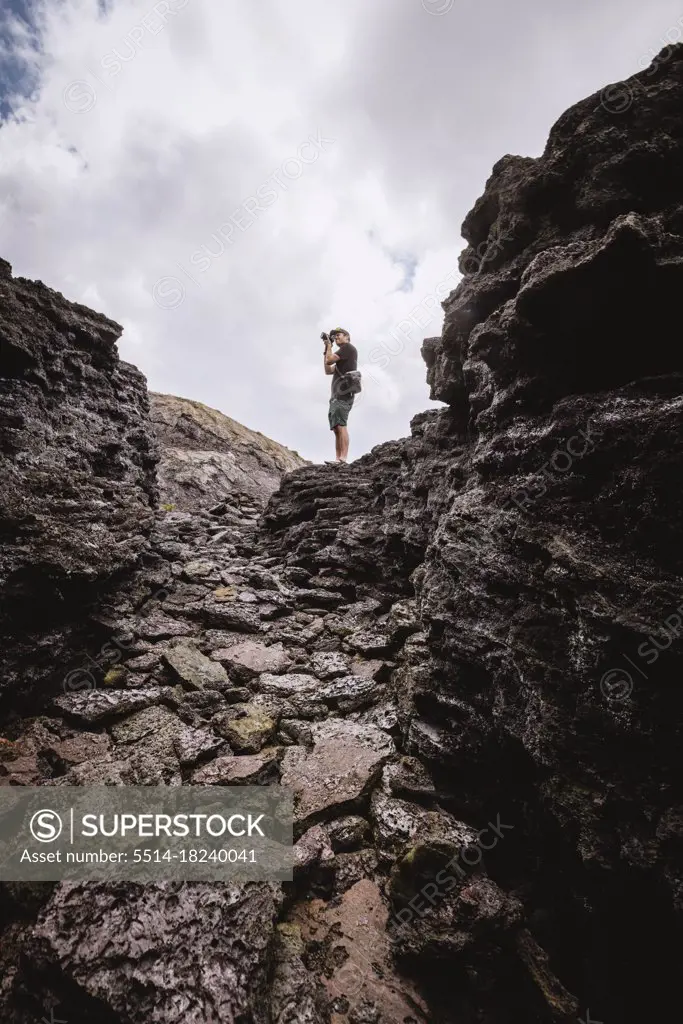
(544, 510)
(207, 456)
(373, 518)
(461, 652)
(77, 461)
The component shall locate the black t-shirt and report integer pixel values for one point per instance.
(348, 360)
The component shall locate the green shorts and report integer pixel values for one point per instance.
(339, 412)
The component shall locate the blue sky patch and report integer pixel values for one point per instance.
(14, 79)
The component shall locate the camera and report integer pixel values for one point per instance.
(325, 337)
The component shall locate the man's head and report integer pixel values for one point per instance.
(340, 336)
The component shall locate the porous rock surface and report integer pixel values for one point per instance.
(542, 514)
(77, 464)
(462, 652)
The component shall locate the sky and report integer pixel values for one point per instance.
(229, 178)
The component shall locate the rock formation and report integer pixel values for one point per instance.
(206, 456)
(77, 461)
(462, 653)
(543, 512)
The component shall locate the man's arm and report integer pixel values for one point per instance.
(329, 359)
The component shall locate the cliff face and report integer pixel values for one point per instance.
(462, 653)
(77, 462)
(207, 456)
(543, 513)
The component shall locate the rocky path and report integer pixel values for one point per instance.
(224, 665)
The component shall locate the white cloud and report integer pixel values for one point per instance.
(154, 128)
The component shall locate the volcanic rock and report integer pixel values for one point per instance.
(340, 770)
(207, 456)
(194, 669)
(77, 463)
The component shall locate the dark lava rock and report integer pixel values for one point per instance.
(77, 463)
(190, 953)
(538, 519)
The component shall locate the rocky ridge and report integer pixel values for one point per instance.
(207, 456)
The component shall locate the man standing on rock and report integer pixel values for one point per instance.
(338, 365)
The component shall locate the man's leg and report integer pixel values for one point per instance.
(338, 442)
(342, 443)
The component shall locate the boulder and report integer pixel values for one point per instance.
(245, 770)
(338, 773)
(246, 728)
(357, 969)
(193, 669)
(95, 706)
(180, 953)
(252, 658)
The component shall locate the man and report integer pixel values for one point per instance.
(337, 364)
